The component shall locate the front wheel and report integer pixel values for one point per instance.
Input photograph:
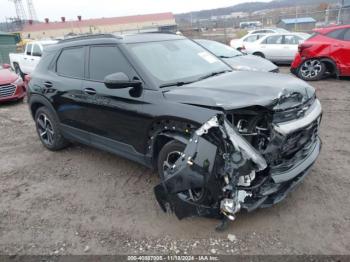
(167, 158)
(312, 70)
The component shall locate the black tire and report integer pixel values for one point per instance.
(48, 130)
(259, 54)
(312, 70)
(199, 195)
(169, 147)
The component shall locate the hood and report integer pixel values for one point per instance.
(250, 63)
(241, 89)
(7, 77)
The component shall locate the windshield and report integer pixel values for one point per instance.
(175, 61)
(218, 49)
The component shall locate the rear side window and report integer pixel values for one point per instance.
(29, 49)
(274, 40)
(292, 40)
(36, 50)
(347, 35)
(337, 34)
(105, 60)
(71, 63)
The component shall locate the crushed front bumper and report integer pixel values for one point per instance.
(276, 187)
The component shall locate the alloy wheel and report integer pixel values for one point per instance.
(311, 69)
(45, 129)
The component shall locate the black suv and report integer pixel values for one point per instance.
(221, 140)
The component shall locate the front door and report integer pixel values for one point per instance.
(112, 115)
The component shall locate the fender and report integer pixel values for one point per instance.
(333, 63)
(34, 99)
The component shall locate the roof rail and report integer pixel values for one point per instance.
(92, 36)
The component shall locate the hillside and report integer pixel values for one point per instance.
(251, 7)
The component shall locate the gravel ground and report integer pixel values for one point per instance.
(85, 201)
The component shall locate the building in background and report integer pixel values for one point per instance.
(128, 24)
(304, 24)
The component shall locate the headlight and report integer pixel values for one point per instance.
(18, 81)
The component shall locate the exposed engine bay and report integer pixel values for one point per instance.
(234, 162)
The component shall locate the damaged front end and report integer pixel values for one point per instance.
(216, 161)
(223, 170)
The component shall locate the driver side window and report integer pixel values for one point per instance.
(106, 60)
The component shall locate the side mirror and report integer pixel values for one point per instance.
(120, 80)
(6, 66)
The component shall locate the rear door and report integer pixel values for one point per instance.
(340, 49)
(272, 47)
(112, 115)
(290, 47)
(64, 87)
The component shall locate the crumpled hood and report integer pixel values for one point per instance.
(250, 63)
(241, 89)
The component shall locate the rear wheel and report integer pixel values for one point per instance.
(48, 130)
(312, 70)
(167, 158)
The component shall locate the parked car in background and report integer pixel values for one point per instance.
(239, 43)
(25, 63)
(268, 31)
(327, 52)
(11, 85)
(279, 48)
(236, 59)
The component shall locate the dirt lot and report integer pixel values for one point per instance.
(85, 201)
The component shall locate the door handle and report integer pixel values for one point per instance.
(48, 84)
(90, 91)
(25, 58)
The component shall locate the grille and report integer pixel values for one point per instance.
(300, 139)
(7, 90)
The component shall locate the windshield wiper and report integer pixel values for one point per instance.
(179, 83)
(213, 74)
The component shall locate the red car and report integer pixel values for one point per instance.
(326, 52)
(11, 85)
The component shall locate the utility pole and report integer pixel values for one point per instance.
(296, 18)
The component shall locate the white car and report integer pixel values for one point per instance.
(239, 43)
(25, 63)
(268, 31)
(280, 48)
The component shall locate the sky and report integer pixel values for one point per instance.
(54, 9)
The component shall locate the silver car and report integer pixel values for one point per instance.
(236, 59)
